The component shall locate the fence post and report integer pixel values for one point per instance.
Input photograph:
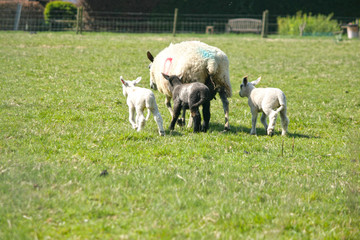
(17, 16)
(79, 20)
(175, 20)
(265, 23)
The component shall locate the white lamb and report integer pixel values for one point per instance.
(270, 101)
(192, 61)
(138, 99)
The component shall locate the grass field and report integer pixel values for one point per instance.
(63, 120)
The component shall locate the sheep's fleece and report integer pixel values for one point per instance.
(192, 61)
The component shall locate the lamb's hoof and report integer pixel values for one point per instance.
(162, 133)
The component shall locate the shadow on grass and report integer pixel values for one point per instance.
(218, 127)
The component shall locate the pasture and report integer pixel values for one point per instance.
(64, 120)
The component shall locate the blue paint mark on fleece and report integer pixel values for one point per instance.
(206, 54)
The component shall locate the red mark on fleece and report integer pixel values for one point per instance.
(167, 65)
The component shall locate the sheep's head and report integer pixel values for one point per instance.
(128, 84)
(246, 87)
(151, 58)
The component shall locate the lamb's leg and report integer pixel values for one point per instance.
(140, 119)
(196, 118)
(181, 121)
(132, 117)
(225, 103)
(206, 116)
(253, 122)
(177, 110)
(263, 121)
(284, 122)
(148, 114)
(158, 119)
(272, 120)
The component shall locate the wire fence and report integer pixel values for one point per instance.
(32, 19)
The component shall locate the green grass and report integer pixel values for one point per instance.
(63, 120)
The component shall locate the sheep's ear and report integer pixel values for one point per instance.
(245, 81)
(137, 80)
(150, 56)
(256, 81)
(165, 76)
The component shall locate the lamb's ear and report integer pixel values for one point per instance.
(137, 80)
(165, 76)
(245, 81)
(150, 56)
(256, 81)
(123, 81)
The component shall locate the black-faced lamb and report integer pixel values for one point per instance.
(269, 101)
(192, 61)
(138, 99)
(190, 96)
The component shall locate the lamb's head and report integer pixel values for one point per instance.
(246, 87)
(128, 84)
(173, 80)
(151, 58)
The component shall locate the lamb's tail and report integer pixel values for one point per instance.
(282, 101)
(203, 98)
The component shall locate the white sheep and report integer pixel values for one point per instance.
(269, 101)
(192, 61)
(138, 99)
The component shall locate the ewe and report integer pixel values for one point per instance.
(190, 96)
(192, 61)
(138, 99)
(265, 100)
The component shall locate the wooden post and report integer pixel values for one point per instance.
(17, 16)
(175, 21)
(265, 23)
(79, 20)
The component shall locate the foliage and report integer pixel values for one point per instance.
(64, 120)
(59, 10)
(319, 24)
(342, 8)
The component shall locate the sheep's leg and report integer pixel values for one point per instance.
(168, 105)
(284, 122)
(206, 116)
(158, 119)
(197, 119)
(263, 121)
(191, 122)
(132, 117)
(177, 110)
(225, 103)
(272, 120)
(140, 119)
(253, 122)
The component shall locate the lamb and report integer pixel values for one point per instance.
(190, 96)
(192, 61)
(265, 100)
(138, 99)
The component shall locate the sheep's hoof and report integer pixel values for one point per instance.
(162, 133)
(271, 133)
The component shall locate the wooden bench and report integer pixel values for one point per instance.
(244, 25)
